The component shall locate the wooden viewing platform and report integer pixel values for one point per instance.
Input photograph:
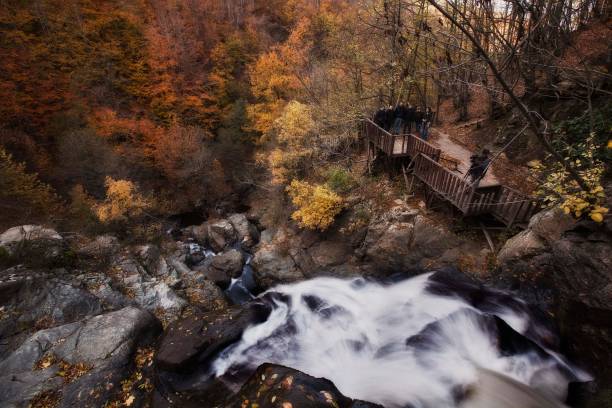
(505, 204)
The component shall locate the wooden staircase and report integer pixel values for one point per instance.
(505, 204)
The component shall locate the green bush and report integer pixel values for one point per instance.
(340, 180)
(571, 134)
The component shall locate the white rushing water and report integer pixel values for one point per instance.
(355, 333)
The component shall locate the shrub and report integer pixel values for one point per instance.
(317, 205)
(340, 180)
(123, 202)
(559, 190)
(81, 215)
(23, 197)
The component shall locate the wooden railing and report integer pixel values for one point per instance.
(398, 145)
(507, 205)
(512, 207)
(448, 185)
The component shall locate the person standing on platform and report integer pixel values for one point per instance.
(410, 114)
(418, 119)
(379, 117)
(479, 166)
(398, 121)
(389, 118)
(426, 123)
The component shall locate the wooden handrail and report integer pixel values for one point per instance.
(398, 145)
(504, 203)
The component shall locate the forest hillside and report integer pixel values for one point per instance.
(305, 203)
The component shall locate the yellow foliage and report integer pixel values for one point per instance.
(296, 125)
(558, 189)
(317, 205)
(295, 129)
(123, 201)
(262, 115)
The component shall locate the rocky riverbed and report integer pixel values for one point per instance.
(95, 322)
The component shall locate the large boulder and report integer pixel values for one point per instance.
(328, 254)
(207, 296)
(83, 361)
(222, 268)
(230, 263)
(278, 386)
(387, 245)
(14, 237)
(566, 267)
(33, 300)
(198, 232)
(247, 234)
(221, 233)
(197, 338)
(272, 265)
(396, 244)
(147, 291)
(523, 245)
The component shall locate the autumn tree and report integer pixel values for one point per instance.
(23, 197)
(317, 205)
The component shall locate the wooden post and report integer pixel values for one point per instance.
(487, 236)
(368, 160)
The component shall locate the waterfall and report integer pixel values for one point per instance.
(421, 342)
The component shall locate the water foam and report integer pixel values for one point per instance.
(397, 345)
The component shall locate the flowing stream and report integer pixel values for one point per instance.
(428, 341)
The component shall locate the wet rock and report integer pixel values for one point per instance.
(229, 262)
(221, 234)
(207, 296)
(148, 292)
(197, 338)
(187, 394)
(387, 245)
(37, 235)
(102, 345)
(34, 299)
(326, 254)
(566, 267)
(278, 386)
(271, 266)
(525, 244)
(247, 234)
(148, 256)
(197, 232)
(392, 246)
(223, 268)
(216, 276)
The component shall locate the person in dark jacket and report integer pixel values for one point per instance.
(426, 123)
(479, 164)
(389, 118)
(410, 114)
(379, 117)
(418, 119)
(398, 121)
